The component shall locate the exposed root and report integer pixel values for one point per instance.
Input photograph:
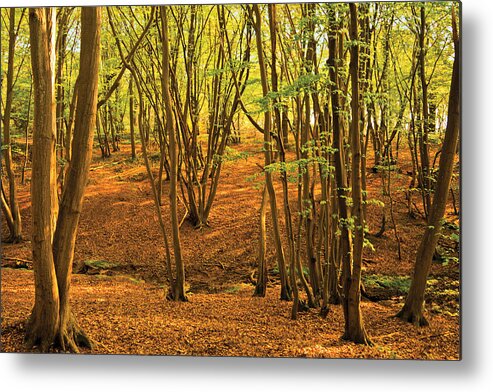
(324, 311)
(260, 291)
(69, 338)
(38, 342)
(180, 297)
(13, 239)
(285, 294)
(359, 337)
(335, 298)
(414, 317)
(302, 306)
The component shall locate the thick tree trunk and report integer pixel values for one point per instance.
(413, 308)
(52, 322)
(43, 324)
(70, 334)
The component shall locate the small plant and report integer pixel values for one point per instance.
(397, 283)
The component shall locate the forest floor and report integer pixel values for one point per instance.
(118, 297)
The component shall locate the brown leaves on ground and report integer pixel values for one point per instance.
(127, 312)
(125, 316)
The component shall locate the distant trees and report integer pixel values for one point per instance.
(52, 323)
(10, 202)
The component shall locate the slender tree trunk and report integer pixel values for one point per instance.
(51, 23)
(7, 213)
(285, 287)
(355, 330)
(26, 137)
(16, 228)
(132, 117)
(413, 308)
(261, 286)
(424, 127)
(179, 289)
(69, 131)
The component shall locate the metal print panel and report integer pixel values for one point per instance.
(269, 180)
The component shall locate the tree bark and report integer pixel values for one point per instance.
(179, 289)
(355, 330)
(43, 324)
(132, 117)
(424, 127)
(52, 323)
(261, 286)
(345, 241)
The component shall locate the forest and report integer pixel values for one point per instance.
(268, 180)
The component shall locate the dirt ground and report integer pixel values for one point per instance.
(122, 306)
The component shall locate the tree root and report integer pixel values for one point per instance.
(13, 239)
(414, 317)
(358, 337)
(324, 311)
(173, 296)
(69, 338)
(285, 294)
(72, 337)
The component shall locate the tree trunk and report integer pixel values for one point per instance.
(16, 227)
(261, 286)
(345, 246)
(52, 324)
(424, 127)
(355, 330)
(132, 117)
(413, 308)
(43, 324)
(285, 287)
(70, 126)
(179, 289)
